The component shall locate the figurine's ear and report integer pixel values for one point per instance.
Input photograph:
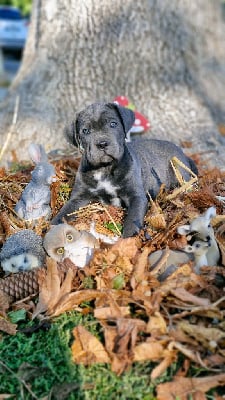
(210, 213)
(188, 249)
(37, 153)
(183, 229)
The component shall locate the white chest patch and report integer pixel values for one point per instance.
(104, 184)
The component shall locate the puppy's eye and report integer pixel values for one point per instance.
(60, 250)
(197, 245)
(113, 124)
(69, 237)
(86, 131)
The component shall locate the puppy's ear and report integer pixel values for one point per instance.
(72, 135)
(126, 115)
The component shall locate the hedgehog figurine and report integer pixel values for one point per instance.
(22, 251)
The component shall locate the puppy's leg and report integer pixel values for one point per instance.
(135, 216)
(72, 205)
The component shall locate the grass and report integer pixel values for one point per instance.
(39, 366)
(43, 360)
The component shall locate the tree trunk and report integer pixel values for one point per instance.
(166, 56)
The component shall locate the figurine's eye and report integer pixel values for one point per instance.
(113, 124)
(86, 131)
(197, 245)
(209, 226)
(69, 237)
(60, 250)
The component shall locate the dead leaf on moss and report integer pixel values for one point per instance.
(169, 356)
(71, 300)
(51, 289)
(7, 326)
(86, 348)
(183, 387)
(120, 341)
(108, 313)
(191, 354)
(149, 350)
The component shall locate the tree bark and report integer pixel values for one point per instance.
(166, 56)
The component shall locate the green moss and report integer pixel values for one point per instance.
(43, 360)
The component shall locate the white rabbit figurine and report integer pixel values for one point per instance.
(199, 249)
(35, 199)
(200, 228)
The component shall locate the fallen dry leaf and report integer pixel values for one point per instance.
(7, 326)
(86, 348)
(152, 351)
(183, 387)
(71, 300)
(108, 312)
(169, 357)
(139, 274)
(185, 296)
(51, 290)
(207, 336)
(156, 325)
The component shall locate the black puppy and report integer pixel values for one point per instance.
(116, 172)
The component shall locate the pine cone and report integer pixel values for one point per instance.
(23, 284)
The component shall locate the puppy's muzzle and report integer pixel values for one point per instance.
(102, 144)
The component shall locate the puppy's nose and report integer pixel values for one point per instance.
(102, 145)
(208, 238)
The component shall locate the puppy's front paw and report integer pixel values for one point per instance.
(130, 229)
(58, 219)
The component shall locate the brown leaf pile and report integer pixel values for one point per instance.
(144, 317)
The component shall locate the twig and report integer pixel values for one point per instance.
(112, 220)
(19, 379)
(175, 162)
(11, 129)
(91, 208)
(183, 188)
(218, 301)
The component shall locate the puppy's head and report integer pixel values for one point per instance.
(100, 131)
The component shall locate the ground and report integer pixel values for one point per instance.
(115, 329)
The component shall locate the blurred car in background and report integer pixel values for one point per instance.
(13, 28)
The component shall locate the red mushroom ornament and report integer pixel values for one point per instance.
(141, 123)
